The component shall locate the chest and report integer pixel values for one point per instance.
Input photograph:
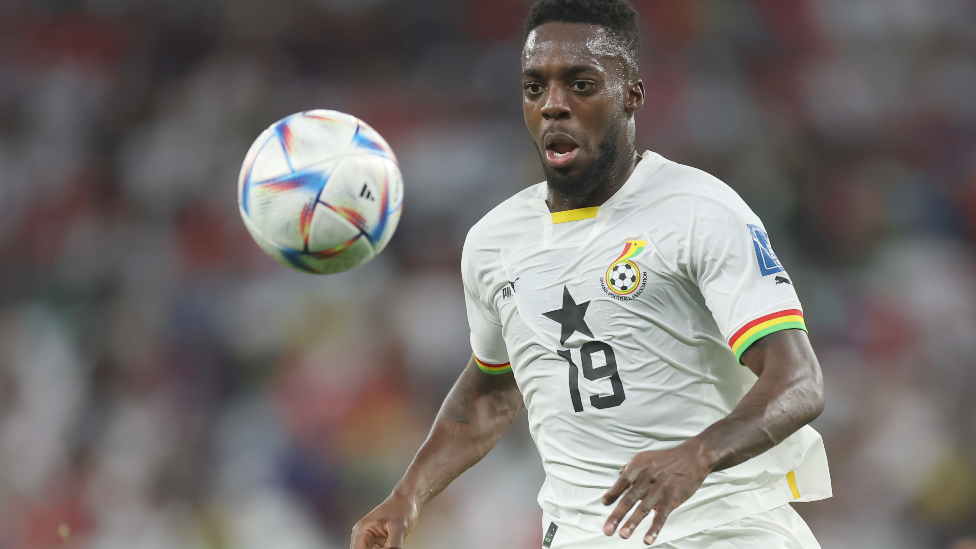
(603, 289)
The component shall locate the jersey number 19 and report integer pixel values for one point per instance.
(593, 374)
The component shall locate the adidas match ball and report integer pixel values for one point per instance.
(321, 192)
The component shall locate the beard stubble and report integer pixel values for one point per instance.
(587, 181)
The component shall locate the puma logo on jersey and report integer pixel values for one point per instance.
(509, 290)
(782, 280)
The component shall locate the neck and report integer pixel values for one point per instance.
(615, 178)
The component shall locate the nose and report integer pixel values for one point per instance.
(555, 105)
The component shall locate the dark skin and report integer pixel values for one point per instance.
(787, 396)
(577, 93)
(474, 416)
(575, 88)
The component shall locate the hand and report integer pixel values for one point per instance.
(660, 481)
(387, 525)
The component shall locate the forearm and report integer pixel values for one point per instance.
(783, 399)
(476, 413)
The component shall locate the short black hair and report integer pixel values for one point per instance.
(617, 16)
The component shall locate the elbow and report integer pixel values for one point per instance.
(817, 407)
(815, 398)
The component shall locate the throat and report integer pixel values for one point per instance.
(593, 187)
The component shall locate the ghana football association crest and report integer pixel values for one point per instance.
(624, 279)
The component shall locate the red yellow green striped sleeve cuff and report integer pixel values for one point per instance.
(763, 326)
(493, 369)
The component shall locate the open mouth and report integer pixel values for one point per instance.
(561, 150)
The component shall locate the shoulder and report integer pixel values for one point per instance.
(504, 220)
(497, 228)
(683, 195)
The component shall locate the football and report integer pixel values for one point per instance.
(321, 192)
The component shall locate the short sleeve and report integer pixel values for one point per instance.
(744, 284)
(487, 342)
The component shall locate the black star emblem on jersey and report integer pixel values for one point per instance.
(570, 317)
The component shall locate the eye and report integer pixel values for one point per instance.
(533, 88)
(582, 85)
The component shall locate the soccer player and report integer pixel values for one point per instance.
(635, 307)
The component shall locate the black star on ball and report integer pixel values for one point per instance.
(570, 317)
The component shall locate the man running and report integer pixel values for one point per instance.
(635, 307)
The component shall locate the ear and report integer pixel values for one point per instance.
(635, 95)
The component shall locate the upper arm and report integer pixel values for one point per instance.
(786, 359)
(787, 348)
(480, 270)
(745, 286)
(501, 383)
(483, 398)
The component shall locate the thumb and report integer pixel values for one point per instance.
(394, 539)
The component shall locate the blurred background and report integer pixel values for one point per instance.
(164, 384)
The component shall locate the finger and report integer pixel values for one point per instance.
(366, 538)
(623, 482)
(645, 507)
(394, 540)
(661, 513)
(363, 539)
(627, 502)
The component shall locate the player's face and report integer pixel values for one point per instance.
(577, 103)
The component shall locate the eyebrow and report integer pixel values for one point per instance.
(571, 71)
(576, 69)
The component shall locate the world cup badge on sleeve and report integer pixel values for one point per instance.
(768, 262)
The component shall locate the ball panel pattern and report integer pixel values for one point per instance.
(392, 206)
(369, 141)
(330, 117)
(360, 191)
(310, 139)
(248, 164)
(321, 192)
(269, 247)
(283, 207)
(329, 230)
(270, 160)
(347, 255)
(391, 224)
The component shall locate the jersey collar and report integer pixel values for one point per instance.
(649, 162)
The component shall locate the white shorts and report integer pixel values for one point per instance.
(779, 528)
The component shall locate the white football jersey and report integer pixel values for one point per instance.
(623, 325)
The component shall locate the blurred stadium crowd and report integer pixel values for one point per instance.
(163, 384)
